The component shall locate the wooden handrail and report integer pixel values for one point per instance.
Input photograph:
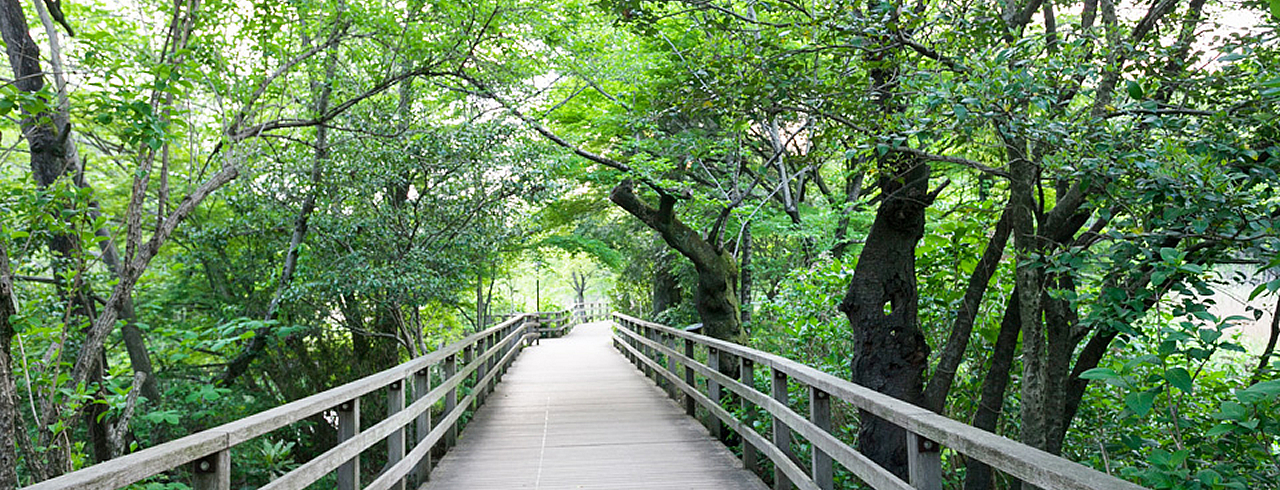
(647, 343)
(558, 323)
(500, 343)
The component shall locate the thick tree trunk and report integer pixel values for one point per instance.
(881, 303)
(9, 425)
(716, 297)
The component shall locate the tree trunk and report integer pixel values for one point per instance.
(9, 424)
(666, 287)
(134, 343)
(890, 353)
(480, 307)
(716, 297)
(935, 394)
(1265, 358)
(852, 191)
(744, 296)
(991, 403)
(258, 343)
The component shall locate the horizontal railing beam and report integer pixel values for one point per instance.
(797, 474)
(149, 462)
(321, 465)
(855, 461)
(1014, 458)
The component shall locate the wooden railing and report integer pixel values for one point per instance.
(591, 311)
(484, 357)
(658, 349)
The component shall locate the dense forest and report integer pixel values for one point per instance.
(1053, 220)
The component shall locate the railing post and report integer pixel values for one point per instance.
(494, 338)
(747, 375)
(690, 407)
(714, 392)
(422, 425)
(348, 426)
(924, 462)
(395, 441)
(820, 415)
(482, 370)
(781, 433)
(631, 341)
(647, 333)
(469, 356)
(212, 472)
(670, 341)
(450, 400)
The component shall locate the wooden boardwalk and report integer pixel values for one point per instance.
(572, 413)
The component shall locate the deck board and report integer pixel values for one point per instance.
(572, 413)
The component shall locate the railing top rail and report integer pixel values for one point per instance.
(1017, 459)
(160, 458)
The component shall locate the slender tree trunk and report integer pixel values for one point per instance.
(258, 343)
(1265, 359)
(480, 315)
(935, 394)
(852, 191)
(134, 343)
(96, 415)
(745, 288)
(991, 401)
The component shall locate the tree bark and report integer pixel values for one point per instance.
(744, 295)
(991, 402)
(890, 353)
(9, 424)
(715, 298)
(1265, 358)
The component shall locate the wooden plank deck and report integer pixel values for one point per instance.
(572, 413)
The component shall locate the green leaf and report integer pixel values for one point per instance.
(1141, 402)
(1231, 411)
(1275, 8)
(1265, 390)
(1100, 373)
(1134, 89)
(1209, 335)
(1179, 378)
(1219, 429)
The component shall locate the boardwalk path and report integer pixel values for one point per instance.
(572, 413)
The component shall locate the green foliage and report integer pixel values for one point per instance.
(801, 321)
(1177, 405)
